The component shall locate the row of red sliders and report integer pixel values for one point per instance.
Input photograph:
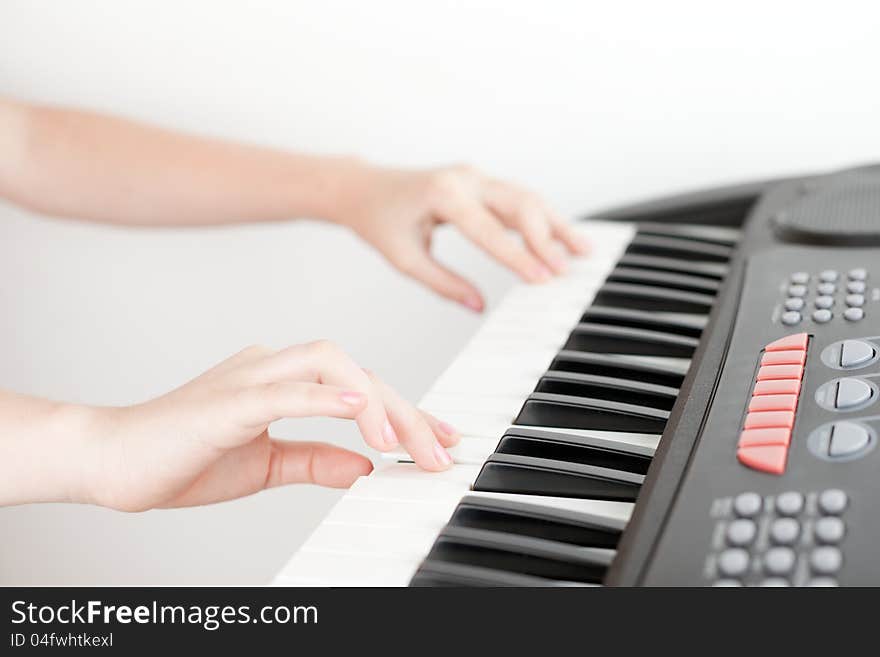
(766, 436)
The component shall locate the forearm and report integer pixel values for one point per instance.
(99, 168)
(42, 450)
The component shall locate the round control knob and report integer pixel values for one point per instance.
(849, 354)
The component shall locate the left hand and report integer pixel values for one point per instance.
(397, 210)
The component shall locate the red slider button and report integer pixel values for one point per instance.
(797, 341)
(794, 357)
(777, 387)
(768, 372)
(773, 436)
(766, 458)
(773, 403)
(770, 419)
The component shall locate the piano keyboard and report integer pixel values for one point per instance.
(561, 398)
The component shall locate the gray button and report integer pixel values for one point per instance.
(848, 438)
(822, 316)
(789, 503)
(828, 276)
(794, 303)
(826, 288)
(779, 560)
(855, 300)
(855, 352)
(857, 274)
(797, 290)
(747, 505)
(791, 317)
(741, 532)
(826, 560)
(824, 302)
(833, 501)
(829, 529)
(775, 581)
(784, 531)
(822, 581)
(727, 582)
(856, 287)
(851, 393)
(800, 278)
(853, 314)
(733, 562)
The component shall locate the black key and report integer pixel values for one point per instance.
(563, 525)
(577, 449)
(521, 554)
(627, 391)
(683, 282)
(588, 336)
(542, 409)
(680, 323)
(528, 475)
(691, 267)
(701, 233)
(445, 573)
(650, 297)
(676, 247)
(615, 365)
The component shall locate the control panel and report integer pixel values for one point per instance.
(782, 484)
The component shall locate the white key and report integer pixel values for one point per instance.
(607, 508)
(332, 569)
(485, 403)
(471, 450)
(366, 539)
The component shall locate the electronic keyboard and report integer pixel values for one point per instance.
(694, 404)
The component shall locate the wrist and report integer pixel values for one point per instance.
(342, 186)
(45, 451)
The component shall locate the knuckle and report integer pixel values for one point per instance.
(255, 350)
(406, 262)
(324, 348)
(444, 184)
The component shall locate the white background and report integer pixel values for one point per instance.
(589, 103)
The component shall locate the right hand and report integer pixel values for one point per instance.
(208, 440)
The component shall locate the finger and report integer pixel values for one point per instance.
(324, 362)
(566, 233)
(535, 228)
(526, 213)
(444, 281)
(293, 462)
(484, 229)
(268, 402)
(447, 434)
(415, 433)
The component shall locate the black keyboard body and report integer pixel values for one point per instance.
(703, 517)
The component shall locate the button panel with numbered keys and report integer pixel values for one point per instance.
(790, 539)
(821, 297)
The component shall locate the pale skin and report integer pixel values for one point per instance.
(208, 440)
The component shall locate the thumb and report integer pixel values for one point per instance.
(445, 282)
(314, 463)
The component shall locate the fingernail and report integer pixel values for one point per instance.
(389, 434)
(560, 264)
(352, 398)
(442, 455)
(473, 302)
(447, 428)
(542, 274)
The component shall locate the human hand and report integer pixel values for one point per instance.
(208, 441)
(397, 211)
